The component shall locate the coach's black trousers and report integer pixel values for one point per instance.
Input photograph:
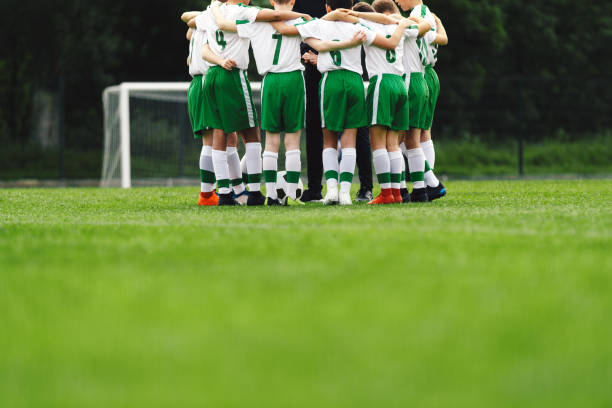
(314, 133)
(364, 158)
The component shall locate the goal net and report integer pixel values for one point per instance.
(147, 135)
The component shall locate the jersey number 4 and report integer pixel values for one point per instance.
(221, 39)
(279, 42)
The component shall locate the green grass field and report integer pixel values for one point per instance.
(499, 295)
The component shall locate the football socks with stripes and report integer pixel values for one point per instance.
(219, 159)
(293, 165)
(233, 163)
(207, 171)
(382, 165)
(347, 168)
(330, 166)
(270, 169)
(254, 165)
(397, 168)
(416, 166)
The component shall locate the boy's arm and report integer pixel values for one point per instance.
(392, 42)
(284, 29)
(441, 37)
(213, 58)
(189, 15)
(192, 23)
(374, 17)
(327, 46)
(340, 15)
(279, 15)
(424, 25)
(223, 23)
(189, 34)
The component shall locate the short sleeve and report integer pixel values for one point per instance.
(430, 37)
(248, 14)
(411, 32)
(370, 34)
(310, 29)
(245, 30)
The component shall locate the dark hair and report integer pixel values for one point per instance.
(336, 4)
(385, 6)
(363, 7)
(282, 1)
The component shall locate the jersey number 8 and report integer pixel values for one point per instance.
(336, 57)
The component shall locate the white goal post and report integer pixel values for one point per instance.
(143, 122)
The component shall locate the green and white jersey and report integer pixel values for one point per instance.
(273, 51)
(380, 61)
(230, 45)
(348, 59)
(412, 55)
(198, 66)
(429, 51)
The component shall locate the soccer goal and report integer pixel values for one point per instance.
(147, 135)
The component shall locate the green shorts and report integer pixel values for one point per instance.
(195, 101)
(228, 100)
(342, 101)
(283, 102)
(387, 102)
(433, 84)
(418, 94)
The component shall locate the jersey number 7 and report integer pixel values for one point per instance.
(279, 42)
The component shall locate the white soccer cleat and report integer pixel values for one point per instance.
(242, 198)
(331, 198)
(345, 199)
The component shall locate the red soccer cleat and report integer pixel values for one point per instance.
(208, 199)
(385, 197)
(397, 196)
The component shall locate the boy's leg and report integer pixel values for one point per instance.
(207, 173)
(382, 164)
(293, 163)
(330, 165)
(270, 164)
(233, 161)
(396, 161)
(219, 157)
(416, 165)
(347, 165)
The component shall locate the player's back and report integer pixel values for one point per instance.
(381, 61)
(273, 52)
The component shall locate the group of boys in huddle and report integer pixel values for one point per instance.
(398, 108)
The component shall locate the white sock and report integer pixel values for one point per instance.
(243, 170)
(397, 168)
(270, 169)
(330, 166)
(219, 159)
(430, 178)
(347, 168)
(382, 165)
(254, 165)
(416, 165)
(233, 162)
(207, 171)
(293, 165)
(430, 153)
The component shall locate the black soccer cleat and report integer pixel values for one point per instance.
(270, 202)
(256, 199)
(227, 200)
(310, 195)
(364, 196)
(419, 195)
(433, 193)
(405, 195)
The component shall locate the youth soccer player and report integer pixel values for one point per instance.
(197, 70)
(283, 92)
(429, 56)
(229, 104)
(342, 94)
(387, 102)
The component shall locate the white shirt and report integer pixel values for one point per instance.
(230, 45)
(198, 65)
(412, 56)
(380, 61)
(273, 52)
(349, 59)
(429, 51)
